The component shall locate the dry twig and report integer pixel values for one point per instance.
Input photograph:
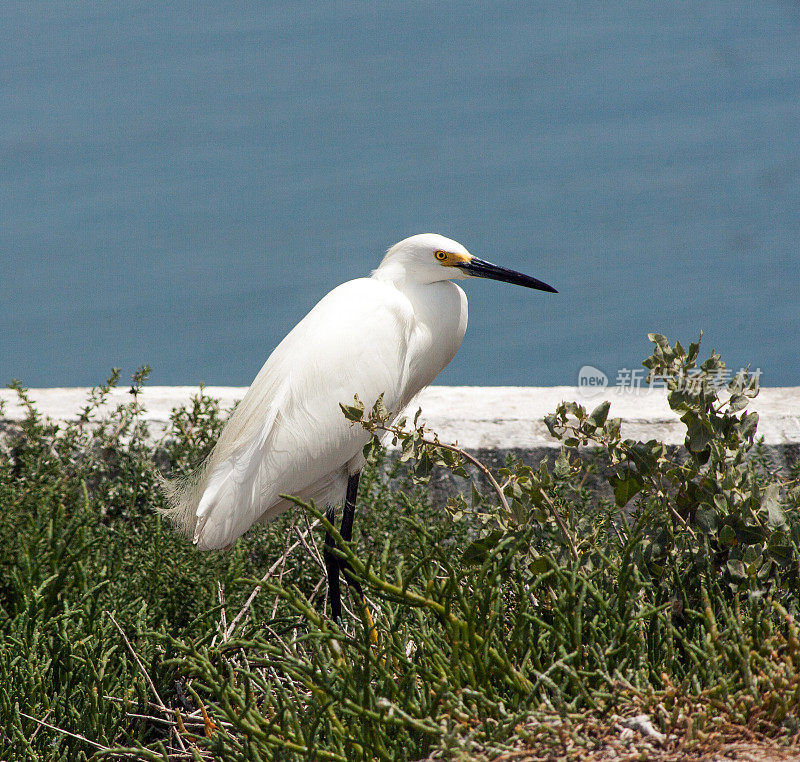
(147, 677)
(66, 732)
(257, 588)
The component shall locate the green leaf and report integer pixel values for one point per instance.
(737, 402)
(561, 468)
(707, 518)
(747, 426)
(539, 565)
(681, 399)
(354, 412)
(371, 449)
(750, 534)
(727, 536)
(422, 468)
(553, 426)
(612, 427)
(713, 363)
(478, 550)
(379, 410)
(766, 569)
(599, 414)
(694, 351)
(698, 435)
(626, 484)
(736, 569)
(781, 553)
(771, 501)
(406, 449)
(645, 455)
(573, 408)
(476, 497)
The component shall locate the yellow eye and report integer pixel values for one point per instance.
(441, 255)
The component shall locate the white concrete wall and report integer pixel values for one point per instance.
(480, 418)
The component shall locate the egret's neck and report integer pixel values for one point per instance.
(439, 321)
(391, 272)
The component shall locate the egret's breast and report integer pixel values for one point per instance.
(440, 321)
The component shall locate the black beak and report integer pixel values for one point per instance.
(481, 269)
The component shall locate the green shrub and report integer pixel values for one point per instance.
(521, 617)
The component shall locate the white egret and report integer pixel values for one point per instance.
(390, 334)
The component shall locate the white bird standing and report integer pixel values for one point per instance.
(390, 334)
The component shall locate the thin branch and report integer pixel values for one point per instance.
(484, 469)
(191, 722)
(223, 620)
(35, 732)
(283, 565)
(127, 701)
(136, 658)
(316, 590)
(681, 519)
(311, 545)
(188, 718)
(147, 677)
(562, 525)
(257, 588)
(463, 453)
(67, 732)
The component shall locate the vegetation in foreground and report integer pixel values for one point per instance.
(533, 617)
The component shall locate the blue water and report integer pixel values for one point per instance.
(180, 182)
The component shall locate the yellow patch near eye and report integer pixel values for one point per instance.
(451, 259)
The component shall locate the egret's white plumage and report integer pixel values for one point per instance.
(390, 334)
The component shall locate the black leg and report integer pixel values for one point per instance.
(332, 567)
(347, 529)
(350, 507)
(333, 564)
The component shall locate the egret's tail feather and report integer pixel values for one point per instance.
(220, 500)
(257, 458)
(183, 495)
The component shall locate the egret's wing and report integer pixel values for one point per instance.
(235, 479)
(289, 434)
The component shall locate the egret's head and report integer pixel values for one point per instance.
(428, 257)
